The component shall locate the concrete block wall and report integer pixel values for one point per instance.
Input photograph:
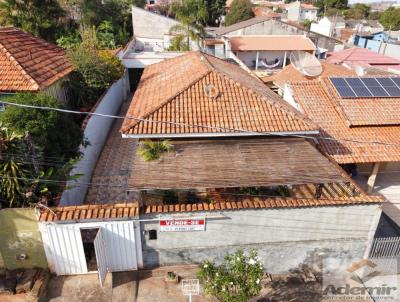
(285, 238)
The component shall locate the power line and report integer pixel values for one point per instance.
(180, 124)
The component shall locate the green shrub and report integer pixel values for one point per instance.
(237, 279)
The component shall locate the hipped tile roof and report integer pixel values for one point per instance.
(173, 91)
(28, 63)
(118, 211)
(320, 102)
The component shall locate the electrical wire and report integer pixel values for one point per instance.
(197, 125)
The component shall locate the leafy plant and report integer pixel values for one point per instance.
(237, 279)
(192, 14)
(152, 150)
(171, 275)
(179, 43)
(41, 18)
(54, 134)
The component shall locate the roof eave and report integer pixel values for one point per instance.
(207, 135)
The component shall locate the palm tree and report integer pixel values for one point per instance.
(192, 14)
(152, 150)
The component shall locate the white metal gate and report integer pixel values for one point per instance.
(101, 257)
(385, 252)
(65, 253)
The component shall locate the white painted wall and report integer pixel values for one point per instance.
(247, 57)
(96, 133)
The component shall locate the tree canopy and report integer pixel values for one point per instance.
(55, 134)
(390, 19)
(44, 19)
(240, 10)
(357, 11)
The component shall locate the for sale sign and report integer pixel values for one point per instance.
(182, 225)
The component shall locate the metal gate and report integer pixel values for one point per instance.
(385, 252)
(101, 257)
(65, 253)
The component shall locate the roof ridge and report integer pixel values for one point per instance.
(19, 67)
(167, 101)
(278, 104)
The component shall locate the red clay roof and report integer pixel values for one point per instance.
(28, 63)
(291, 74)
(90, 212)
(357, 56)
(174, 91)
(260, 203)
(270, 43)
(321, 103)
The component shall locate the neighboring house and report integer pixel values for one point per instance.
(329, 26)
(360, 133)
(265, 26)
(266, 52)
(362, 58)
(151, 39)
(30, 64)
(291, 74)
(364, 25)
(299, 12)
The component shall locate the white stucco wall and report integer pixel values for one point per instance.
(294, 235)
(96, 133)
(150, 25)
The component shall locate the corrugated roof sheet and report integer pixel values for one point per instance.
(28, 63)
(271, 43)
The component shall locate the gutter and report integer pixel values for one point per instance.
(233, 134)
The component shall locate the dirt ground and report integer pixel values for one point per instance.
(150, 286)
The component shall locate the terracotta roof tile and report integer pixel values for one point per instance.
(290, 74)
(173, 91)
(92, 212)
(28, 63)
(281, 202)
(320, 102)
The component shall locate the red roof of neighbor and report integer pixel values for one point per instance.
(117, 211)
(174, 91)
(290, 74)
(356, 56)
(28, 63)
(248, 43)
(321, 103)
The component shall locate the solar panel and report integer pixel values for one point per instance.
(367, 87)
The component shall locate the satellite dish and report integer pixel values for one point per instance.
(359, 70)
(306, 63)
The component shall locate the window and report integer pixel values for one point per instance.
(152, 234)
